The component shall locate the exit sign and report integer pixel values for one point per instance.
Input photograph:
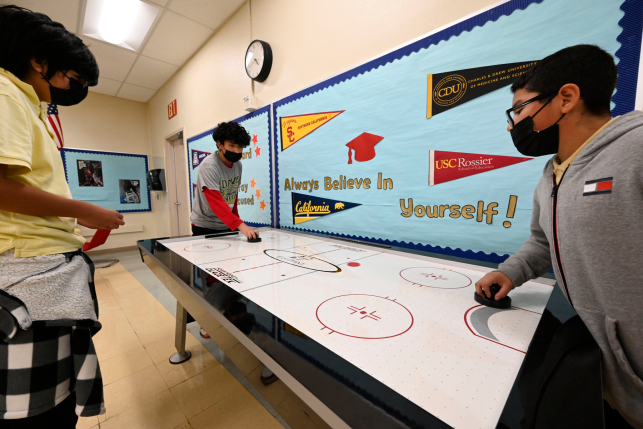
(171, 110)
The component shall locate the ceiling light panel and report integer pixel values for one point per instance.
(123, 23)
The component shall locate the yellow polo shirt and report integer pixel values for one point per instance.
(30, 152)
(561, 167)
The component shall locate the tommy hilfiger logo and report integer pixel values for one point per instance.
(598, 186)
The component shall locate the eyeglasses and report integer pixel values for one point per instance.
(80, 80)
(510, 112)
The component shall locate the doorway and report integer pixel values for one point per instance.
(177, 185)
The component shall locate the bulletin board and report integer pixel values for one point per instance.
(411, 148)
(112, 180)
(255, 191)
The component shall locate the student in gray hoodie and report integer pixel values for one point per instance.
(587, 221)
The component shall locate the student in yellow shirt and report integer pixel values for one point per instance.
(43, 276)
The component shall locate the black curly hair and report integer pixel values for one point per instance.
(25, 35)
(588, 66)
(231, 131)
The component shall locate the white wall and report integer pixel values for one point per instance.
(311, 40)
(106, 123)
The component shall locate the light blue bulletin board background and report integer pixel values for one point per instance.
(258, 167)
(388, 97)
(116, 166)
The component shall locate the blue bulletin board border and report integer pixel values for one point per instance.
(64, 151)
(624, 99)
(265, 109)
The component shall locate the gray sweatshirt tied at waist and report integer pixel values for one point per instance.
(600, 252)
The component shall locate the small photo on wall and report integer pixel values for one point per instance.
(90, 173)
(130, 191)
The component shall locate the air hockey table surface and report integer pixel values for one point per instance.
(400, 331)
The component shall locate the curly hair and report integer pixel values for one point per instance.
(25, 35)
(588, 66)
(231, 131)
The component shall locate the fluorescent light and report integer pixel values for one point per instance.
(117, 19)
(123, 23)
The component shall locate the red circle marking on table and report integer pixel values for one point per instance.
(353, 264)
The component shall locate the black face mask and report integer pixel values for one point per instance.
(530, 142)
(67, 97)
(232, 156)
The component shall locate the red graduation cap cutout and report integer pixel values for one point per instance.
(364, 147)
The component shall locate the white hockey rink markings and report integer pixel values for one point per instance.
(458, 369)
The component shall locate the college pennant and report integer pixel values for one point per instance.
(450, 89)
(307, 207)
(197, 157)
(447, 166)
(295, 128)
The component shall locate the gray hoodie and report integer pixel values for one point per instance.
(593, 239)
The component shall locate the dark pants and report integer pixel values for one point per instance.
(62, 416)
(197, 230)
(614, 419)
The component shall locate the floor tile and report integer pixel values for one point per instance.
(131, 391)
(87, 422)
(224, 339)
(162, 349)
(108, 347)
(145, 321)
(117, 268)
(124, 365)
(200, 361)
(202, 391)
(294, 415)
(275, 393)
(116, 336)
(155, 329)
(243, 359)
(159, 412)
(107, 307)
(238, 411)
(104, 291)
(140, 305)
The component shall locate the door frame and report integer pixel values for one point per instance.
(170, 182)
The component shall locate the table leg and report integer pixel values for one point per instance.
(179, 337)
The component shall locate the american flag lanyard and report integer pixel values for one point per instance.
(54, 124)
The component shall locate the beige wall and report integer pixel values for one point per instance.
(311, 40)
(106, 123)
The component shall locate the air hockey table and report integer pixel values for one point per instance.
(368, 336)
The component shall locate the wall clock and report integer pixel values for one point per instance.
(258, 60)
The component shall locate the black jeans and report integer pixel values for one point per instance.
(197, 230)
(62, 416)
(614, 419)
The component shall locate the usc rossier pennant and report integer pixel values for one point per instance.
(447, 166)
(295, 128)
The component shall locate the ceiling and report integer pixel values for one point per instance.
(181, 29)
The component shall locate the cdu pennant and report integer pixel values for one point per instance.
(307, 207)
(451, 89)
(447, 166)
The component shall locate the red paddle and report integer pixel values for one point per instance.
(98, 239)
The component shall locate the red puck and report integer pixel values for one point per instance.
(353, 264)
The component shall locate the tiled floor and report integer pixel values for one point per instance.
(143, 390)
